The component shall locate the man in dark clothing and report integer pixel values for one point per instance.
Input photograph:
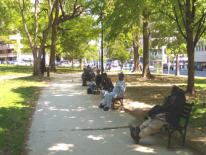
(160, 115)
(98, 79)
(107, 83)
(84, 77)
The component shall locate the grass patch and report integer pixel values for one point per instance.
(68, 70)
(153, 92)
(198, 118)
(17, 103)
(12, 69)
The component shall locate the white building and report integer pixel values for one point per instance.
(200, 56)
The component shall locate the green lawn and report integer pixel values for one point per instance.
(12, 69)
(17, 101)
(68, 70)
(18, 96)
(199, 110)
(153, 92)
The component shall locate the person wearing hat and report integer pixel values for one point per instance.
(117, 91)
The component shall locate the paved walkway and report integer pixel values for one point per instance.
(68, 121)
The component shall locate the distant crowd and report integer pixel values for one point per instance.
(102, 84)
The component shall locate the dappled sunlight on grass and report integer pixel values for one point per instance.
(152, 92)
(17, 101)
(68, 70)
(11, 69)
(198, 116)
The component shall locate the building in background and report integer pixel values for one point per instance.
(157, 57)
(200, 56)
(7, 53)
(11, 52)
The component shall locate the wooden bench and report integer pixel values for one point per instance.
(182, 128)
(118, 100)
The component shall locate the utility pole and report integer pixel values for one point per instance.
(102, 46)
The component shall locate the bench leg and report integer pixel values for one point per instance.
(183, 138)
(169, 138)
(122, 105)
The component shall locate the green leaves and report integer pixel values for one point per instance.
(76, 35)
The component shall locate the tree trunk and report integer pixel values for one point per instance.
(53, 41)
(80, 64)
(43, 62)
(177, 71)
(191, 68)
(190, 48)
(35, 66)
(146, 71)
(136, 58)
(72, 63)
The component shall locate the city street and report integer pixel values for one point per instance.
(184, 72)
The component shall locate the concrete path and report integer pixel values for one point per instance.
(68, 121)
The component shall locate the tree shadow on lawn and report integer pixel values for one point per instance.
(15, 120)
(148, 94)
(153, 92)
(161, 79)
(32, 79)
(198, 116)
(12, 129)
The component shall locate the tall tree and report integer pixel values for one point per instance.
(189, 16)
(64, 11)
(36, 46)
(118, 48)
(122, 18)
(76, 36)
(128, 14)
(165, 33)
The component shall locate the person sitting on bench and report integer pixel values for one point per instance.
(98, 79)
(106, 83)
(160, 115)
(118, 91)
(91, 87)
(87, 75)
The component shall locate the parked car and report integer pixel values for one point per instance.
(165, 67)
(65, 64)
(22, 63)
(152, 68)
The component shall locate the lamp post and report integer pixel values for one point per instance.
(102, 39)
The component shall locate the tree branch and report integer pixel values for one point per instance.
(46, 31)
(199, 33)
(77, 11)
(193, 8)
(178, 24)
(201, 18)
(167, 14)
(181, 9)
(24, 23)
(61, 7)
